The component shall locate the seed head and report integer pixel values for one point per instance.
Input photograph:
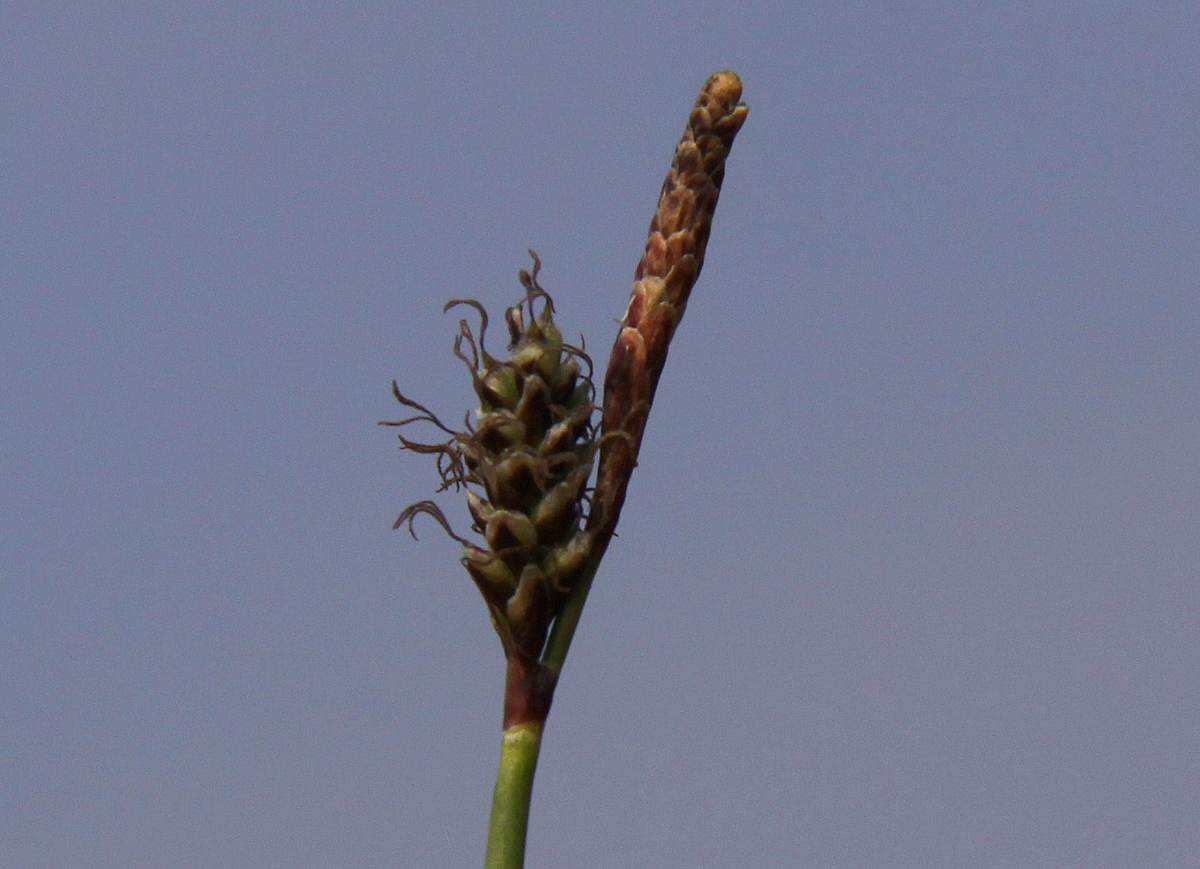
(524, 463)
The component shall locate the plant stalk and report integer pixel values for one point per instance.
(510, 799)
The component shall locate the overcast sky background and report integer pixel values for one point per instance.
(907, 576)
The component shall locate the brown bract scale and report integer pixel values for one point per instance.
(524, 462)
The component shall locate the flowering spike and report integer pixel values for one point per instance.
(662, 283)
(525, 463)
(528, 456)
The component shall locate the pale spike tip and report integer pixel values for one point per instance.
(724, 86)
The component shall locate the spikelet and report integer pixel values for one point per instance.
(525, 464)
(663, 281)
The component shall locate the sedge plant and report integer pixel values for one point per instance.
(544, 482)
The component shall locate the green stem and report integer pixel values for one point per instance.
(528, 691)
(510, 800)
(563, 629)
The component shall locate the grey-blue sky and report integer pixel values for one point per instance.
(908, 573)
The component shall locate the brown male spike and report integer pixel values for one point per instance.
(662, 283)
